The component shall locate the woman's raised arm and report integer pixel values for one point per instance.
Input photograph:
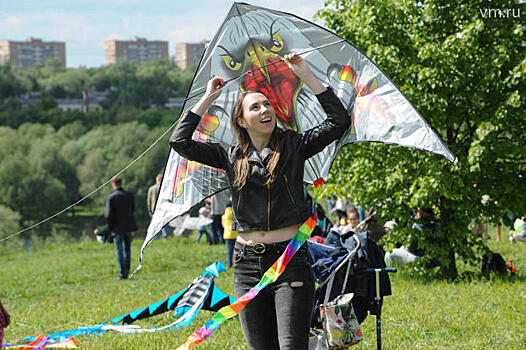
(213, 90)
(209, 153)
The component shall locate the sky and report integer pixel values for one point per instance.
(85, 25)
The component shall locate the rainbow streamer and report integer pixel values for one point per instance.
(270, 276)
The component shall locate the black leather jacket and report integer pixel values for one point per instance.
(257, 206)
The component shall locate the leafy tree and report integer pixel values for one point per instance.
(10, 86)
(68, 84)
(49, 158)
(32, 192)
(108, 149)
(35, 180)
(465, 74)
(9, 221)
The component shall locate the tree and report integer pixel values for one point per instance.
(35, 180)
(9, 221)
(465, 74)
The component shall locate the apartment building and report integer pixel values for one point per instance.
(31, 52)
(187, 54)
(138, 50)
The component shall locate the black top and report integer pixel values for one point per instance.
(257, 206)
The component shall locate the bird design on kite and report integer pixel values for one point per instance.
(259, 66)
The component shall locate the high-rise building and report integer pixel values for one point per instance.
(30, 52)
(137, 50)
(187, 54)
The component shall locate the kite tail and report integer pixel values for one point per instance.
(270, 276)
(138, 267)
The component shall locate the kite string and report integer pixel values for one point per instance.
(94, 191)
(154, 143)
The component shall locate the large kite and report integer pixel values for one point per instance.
(247, 52)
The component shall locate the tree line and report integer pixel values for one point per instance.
(51, 158)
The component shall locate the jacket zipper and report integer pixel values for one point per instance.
(238, 201)
(268, 199)
(268, 207)
(288, 190)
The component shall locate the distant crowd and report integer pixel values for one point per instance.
(341, 219)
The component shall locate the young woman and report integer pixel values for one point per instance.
(265, 170)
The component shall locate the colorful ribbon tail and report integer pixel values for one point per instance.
(270, 276)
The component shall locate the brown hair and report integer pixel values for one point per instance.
(353, 211)
(117, 181)
(243, 139)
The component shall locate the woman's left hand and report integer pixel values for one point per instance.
(298, 65)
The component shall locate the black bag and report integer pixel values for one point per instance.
(493, 262)
(105, 235)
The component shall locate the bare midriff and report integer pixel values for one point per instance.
(273, 236)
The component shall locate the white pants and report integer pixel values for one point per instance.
(399, 256)
(519, 237)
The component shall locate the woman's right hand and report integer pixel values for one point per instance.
(213, 91)
(213, 88)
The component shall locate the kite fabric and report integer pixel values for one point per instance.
(201, 294)
(270, 276)
(43, 342)
(247, 52)
(185, 223)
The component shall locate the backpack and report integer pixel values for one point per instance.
(493, 262)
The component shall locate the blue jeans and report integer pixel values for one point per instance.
(279, 316)
(122, 246)
(164, 232)
(229, 251)
(216, 230)
(200, 231)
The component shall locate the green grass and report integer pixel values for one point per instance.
(68, 285)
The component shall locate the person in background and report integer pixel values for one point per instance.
(153, 193)
(204, 212)
(229, 235)
(353, 218)
(425, 223)
(340, 209)
(389, 225)
(5, 319)
(334, 238)
(519, 231)
(120, 221)
(331, 203)
(217, 208)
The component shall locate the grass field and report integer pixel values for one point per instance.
(67, 285)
